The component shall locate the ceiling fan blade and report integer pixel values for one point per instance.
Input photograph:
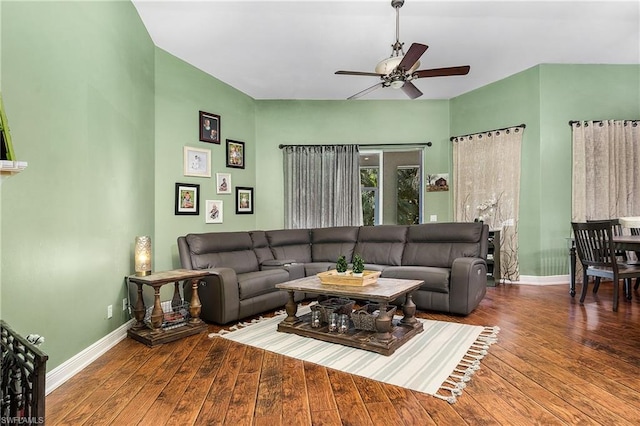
(411, 90)
(365, 91)
(442, 72)
(371, 74)
(413, 54)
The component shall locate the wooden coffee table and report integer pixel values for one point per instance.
(390, 333)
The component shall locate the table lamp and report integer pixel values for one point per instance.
(142, 256)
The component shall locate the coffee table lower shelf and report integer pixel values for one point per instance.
(360, 339)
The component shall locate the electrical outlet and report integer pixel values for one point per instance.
(124, 304)
(433, 218)
(109, 311)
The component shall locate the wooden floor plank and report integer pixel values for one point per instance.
(218, 396)
(350, 405)
(160, 411)
(190, 405)
(74, 391)
(319, 389)
(269, 399)
(556, 362)
(295, 396)
(146, 397)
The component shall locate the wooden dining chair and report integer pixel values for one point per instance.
(621, 255)
(597, 253)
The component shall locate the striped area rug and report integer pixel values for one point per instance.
(439, 361)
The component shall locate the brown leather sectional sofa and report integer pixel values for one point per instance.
(245, 266)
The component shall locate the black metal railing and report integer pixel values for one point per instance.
(22, 382)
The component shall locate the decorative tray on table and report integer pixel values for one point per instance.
(334, 278)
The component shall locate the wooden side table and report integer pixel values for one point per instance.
(154, 334)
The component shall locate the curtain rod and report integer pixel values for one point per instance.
(487, 131)
(572, 122)
(366, 144)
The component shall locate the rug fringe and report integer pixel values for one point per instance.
(452, 388)
(243, 324)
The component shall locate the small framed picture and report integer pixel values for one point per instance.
(244, 200)
(197, 162)
(223, 183)
(209, 127)
(187, 195)
(235, 154)
(214, 211)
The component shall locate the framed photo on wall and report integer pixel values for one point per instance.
(209, 127)
(214, 211)
(244, 200)
(197, 162)
(187, 196)
(223, 183)
(235, 154)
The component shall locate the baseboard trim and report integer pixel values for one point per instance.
(74, 365)
(541, 280)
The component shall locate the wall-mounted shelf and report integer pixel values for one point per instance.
(9, 168)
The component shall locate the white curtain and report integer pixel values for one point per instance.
(606, 169)
(486, 186)
(322, 186)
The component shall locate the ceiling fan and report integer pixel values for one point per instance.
(398, 70)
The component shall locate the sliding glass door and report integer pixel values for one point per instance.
(392, 186)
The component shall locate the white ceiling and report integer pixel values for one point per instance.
(291, 49)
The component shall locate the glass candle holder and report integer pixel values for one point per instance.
(333, 322)
(315, 319)
(343, 323)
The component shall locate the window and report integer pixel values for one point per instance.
(391, 186)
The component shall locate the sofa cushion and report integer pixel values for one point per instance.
(253, 284)
(223, 249)
(382, 244)
(439, 244)
(290, 244)
(327, 244)
(435, 279)
(261, 246)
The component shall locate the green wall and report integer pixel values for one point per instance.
(573, 92)
(180, 92)
(545, 98)
(331, 122)
(77, 81)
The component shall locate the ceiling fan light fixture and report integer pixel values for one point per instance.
(386, 66)
(397, 84)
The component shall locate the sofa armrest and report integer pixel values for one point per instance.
(468, 284)
(219, 295)
(183, 251)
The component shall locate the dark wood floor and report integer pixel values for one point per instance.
(556, 362)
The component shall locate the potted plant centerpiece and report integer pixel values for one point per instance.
(358, 266)
(341, 265)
